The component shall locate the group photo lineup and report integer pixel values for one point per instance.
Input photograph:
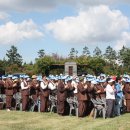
(106, 96)
(65, 65)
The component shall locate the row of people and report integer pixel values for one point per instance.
(26, 87)
(84, 88)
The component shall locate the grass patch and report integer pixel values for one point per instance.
(17, 120)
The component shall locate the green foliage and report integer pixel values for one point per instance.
(110, 54)
(2, 67)
(97, 65)
(13, 56)
(43, 65)
(29, 69)
(2, 64)
(86, 64)
(109, 70)
(13, 68)
(97, 52)
(124, 56)
(41, 53)
(82, 60)
(57, 71)
(86, 51)
(73, 53)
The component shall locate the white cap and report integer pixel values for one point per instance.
(94, 82)
(111, 80)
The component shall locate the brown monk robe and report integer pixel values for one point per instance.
(1, 92)
(91, 95)
(25, 94)
(2, 88)
(82, 99)
(70, 96)
(34, 90)
(54, 91)
(100, 91)
(70, 90)
(126, 91)
(44, 95)
(16, 87)
(61, 97)
(9, 93)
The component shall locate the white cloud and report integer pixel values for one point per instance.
(4, 16)
(27, 5)
(47, 5)
(97, 24)
(123, 41)
(12, 33)
(88, 3)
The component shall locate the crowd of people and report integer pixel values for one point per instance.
(114, 91)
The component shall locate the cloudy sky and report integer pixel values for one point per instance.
(58, 25)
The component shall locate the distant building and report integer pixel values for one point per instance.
(70, 68)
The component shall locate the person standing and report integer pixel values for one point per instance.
(126, 91)
(2, 88)
(61, 97)
(82, 97)
(34, 90)
(52, 85)
(118, 96)
(74, 84)
(110, 98)
(70, 90)
(101, 89)
(91, 95)
(44, 94)
(25, 92)
(9, 92)
(2, 91)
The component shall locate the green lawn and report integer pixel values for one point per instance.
(47, 121)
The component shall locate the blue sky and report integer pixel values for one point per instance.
(58, 25)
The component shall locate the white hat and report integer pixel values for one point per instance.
(34, 76)
(94, 82)
(28, 79)
(128, 81)
(111, 80)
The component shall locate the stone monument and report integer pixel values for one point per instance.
(70, 68)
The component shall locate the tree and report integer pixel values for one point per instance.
(41, 53)
(73, 53)
(82, 60)
(24, 63)
(76, 53)
(86, 51)
(14, 57)
(123, 54)
(110, 54)
(43, 65)
(3, 64)
(97, 52)
(29, 69)
(31, 63)
(2, 67)
(13, 68)
(124, 57)
(97, 65)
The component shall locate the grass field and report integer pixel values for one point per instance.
(17, 120)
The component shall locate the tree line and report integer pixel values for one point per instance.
(111, 62)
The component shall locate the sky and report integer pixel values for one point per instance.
(58, 25)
